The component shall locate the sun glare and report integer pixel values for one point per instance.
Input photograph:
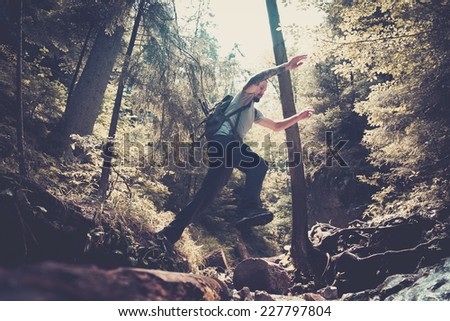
(246, 24)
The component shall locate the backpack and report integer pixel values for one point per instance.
(216, 116)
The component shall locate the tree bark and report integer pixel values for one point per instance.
(51, 281)
(107, 154)
(86, 101)
(78, 67)
(301, 245)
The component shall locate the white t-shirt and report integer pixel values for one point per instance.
(247, 118)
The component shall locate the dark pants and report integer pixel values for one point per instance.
(224, 154)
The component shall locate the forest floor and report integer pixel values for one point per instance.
(38, 227)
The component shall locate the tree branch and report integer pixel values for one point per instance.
(385, 38)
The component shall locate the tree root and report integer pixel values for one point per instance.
(362, 257)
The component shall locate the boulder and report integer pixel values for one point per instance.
(245, 294)
(258, 274)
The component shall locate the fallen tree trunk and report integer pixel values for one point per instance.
(390, 235)
(57, 281)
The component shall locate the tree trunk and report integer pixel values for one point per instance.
(78, 67)
(301, 245)
(107, 154)
(86, 100)
(20, 134)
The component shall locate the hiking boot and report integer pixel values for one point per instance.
(254, 217)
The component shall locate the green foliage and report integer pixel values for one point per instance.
(120, 245)
(408, 119)
(45, 96)
(380, 82)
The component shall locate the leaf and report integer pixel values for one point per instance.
(43, 210)
(7, 192)
(133, 261)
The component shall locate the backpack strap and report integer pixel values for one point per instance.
(234, 112)
(239, 110)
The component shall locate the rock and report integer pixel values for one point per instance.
(358, 296)
(226, 278)
(258, 274)
(300, 288)
(245, 294)
(394, 284)
(329, 292)
(277, 297)
(235, 295)
(57, 281)
(429, 284)
(263, 296)
(312, 297)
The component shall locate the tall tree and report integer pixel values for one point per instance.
(79, 63)
(86, 100)
(109, 146)
(302, 252)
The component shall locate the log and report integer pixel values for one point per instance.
(405, 234)
(60, 281)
